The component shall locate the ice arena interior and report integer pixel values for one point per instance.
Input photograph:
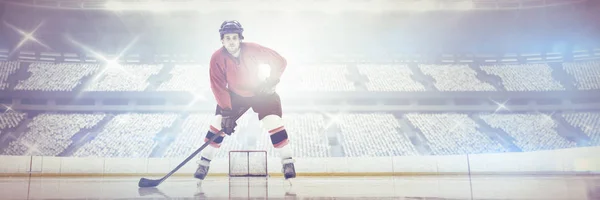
(387, 99)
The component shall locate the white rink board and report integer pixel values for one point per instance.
(415, 164)
(582, 160)
(14, 164)
(125, 165)
(307, 165)
(86, 165)
(452, 164)
(505, 162)
(220, 165)
(379, 164)
(51, 165)
(158, 165)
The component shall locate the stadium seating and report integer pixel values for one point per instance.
(450, 134)
(373, 135)
(127, 135)
(588, 122)
(455, 78)
(586, 74)
(134, 135)
(50, 134)
(56, 77)
(192, 133)
(187, 78)
(11, 119)
(389, 78)
(525, 77)
(316, 78)
(303, 77)
(7, 69)
(130, 77)
(531, 132)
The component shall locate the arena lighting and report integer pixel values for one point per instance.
(327, 6)
(8, 108)
(155, 6)
(27, 36)
(197, 97)
(264, 71)
(501, 106)
(111, 65)
(423, 6)
(334, 118)
(100, 56)
(31, 148)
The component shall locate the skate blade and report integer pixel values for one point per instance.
(199, 192)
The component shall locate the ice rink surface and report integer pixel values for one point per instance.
(399, 187)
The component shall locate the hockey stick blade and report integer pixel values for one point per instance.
(144, 182)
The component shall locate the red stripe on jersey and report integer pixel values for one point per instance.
(214, 130)
(273, 131)
(281, 144)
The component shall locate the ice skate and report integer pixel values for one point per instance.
(288, 168)
(199, 192)
(203, 166)
(290, 193)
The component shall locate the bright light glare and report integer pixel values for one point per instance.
(461, 5)
(501, 106)
(155, 6)
(264, 71)
(113, 5)
(27, 36)
(424, 5)
(329, 6)
(8, 108)
(112, 63)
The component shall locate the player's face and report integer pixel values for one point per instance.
(231, 42)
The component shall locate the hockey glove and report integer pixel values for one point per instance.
(268, 87)
(228, 123)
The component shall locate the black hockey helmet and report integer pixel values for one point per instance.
(231, 27)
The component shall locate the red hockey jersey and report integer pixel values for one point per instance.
(241, 75)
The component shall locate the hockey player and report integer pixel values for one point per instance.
(237, 87)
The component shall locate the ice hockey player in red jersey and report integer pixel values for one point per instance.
(237, 87)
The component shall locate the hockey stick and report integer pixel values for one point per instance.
(144, 182)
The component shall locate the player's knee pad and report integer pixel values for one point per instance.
(209, 153)
(215, 124)
(275, 127)
(215, 127)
